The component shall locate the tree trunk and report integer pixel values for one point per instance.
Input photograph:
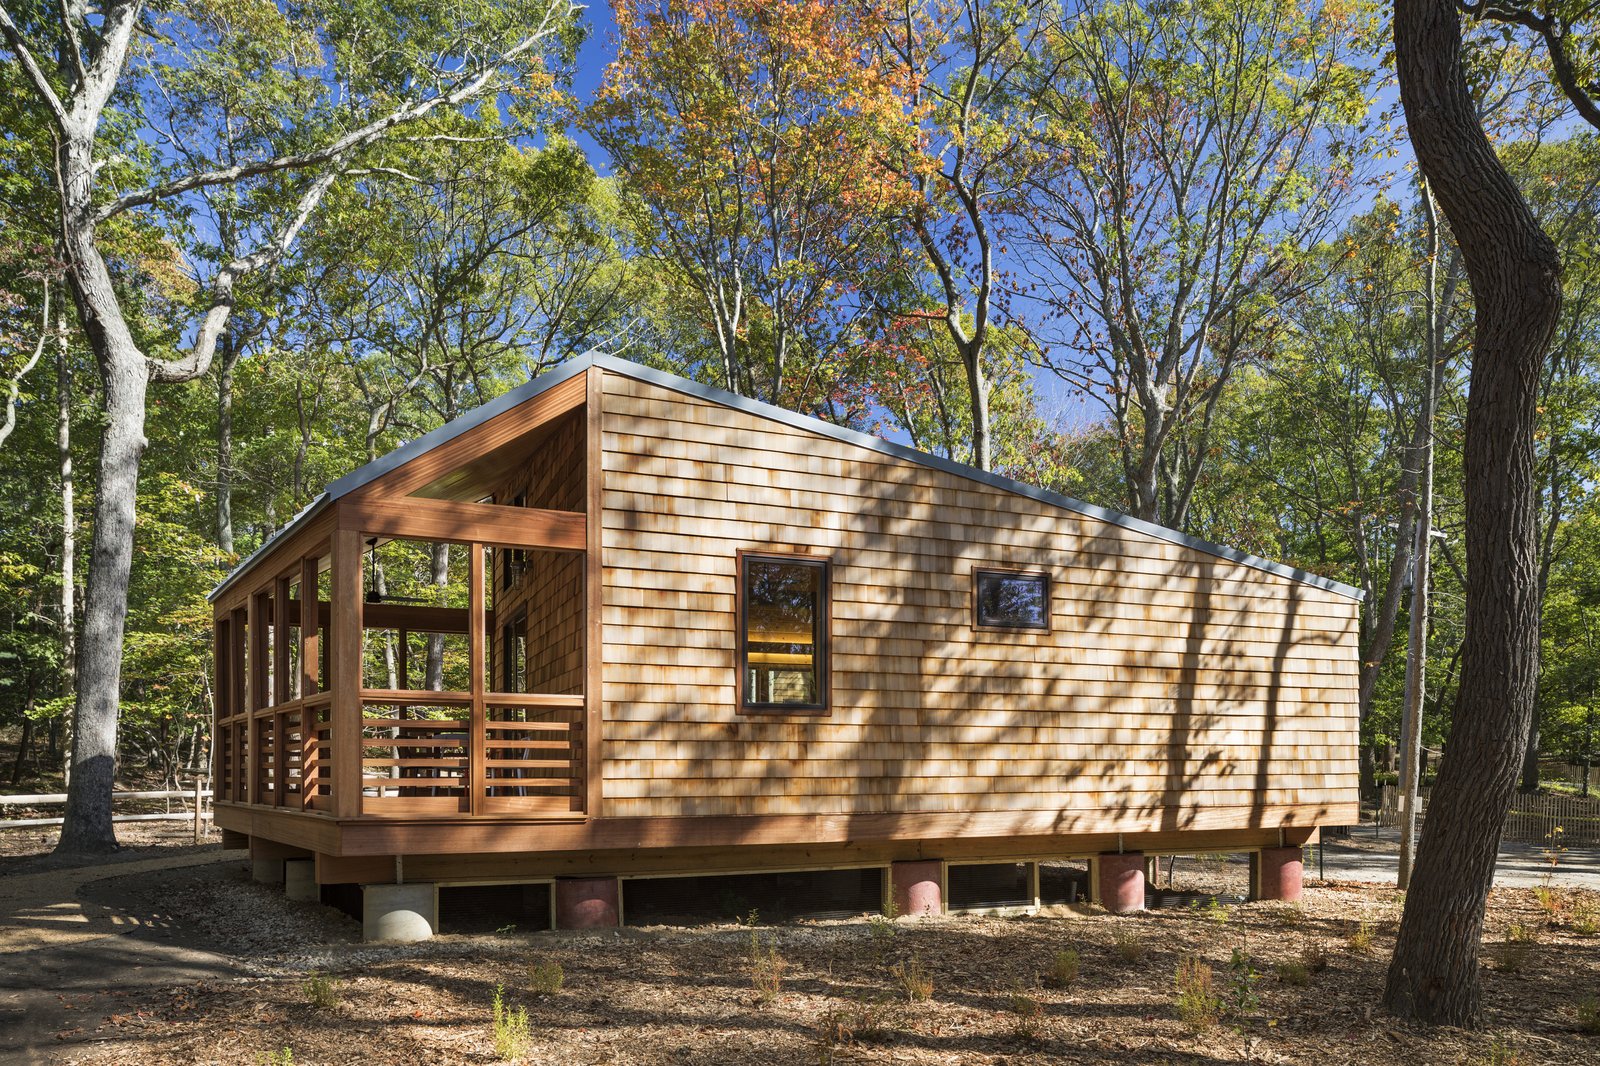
(1530, 750)
(88, 826)
(1515, 275)
(228, 358)
(978, 386)
(125, 381)
(433, 672)
(69, 518)
(26, 741)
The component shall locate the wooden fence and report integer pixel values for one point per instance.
(199, 813)
(1533, 819)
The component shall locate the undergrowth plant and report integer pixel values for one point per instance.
(881, 929)
(914, 980)
(511, 1037)
(1199, 1007)
(1293, 973)
(322, 991)
(862, 1019)
(1128, 941)
(766, 968)
(1064, 969)
(546, 978)
(1027, 1013)
(1242, 1001)
(1589, 1016)
(1360, 938)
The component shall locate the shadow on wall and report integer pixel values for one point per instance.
(928, 715)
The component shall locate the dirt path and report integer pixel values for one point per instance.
(61, 950)
(1374, 857)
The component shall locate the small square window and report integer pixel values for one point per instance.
(1008, 599)
(783, 634)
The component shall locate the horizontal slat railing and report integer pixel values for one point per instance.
(416, 754)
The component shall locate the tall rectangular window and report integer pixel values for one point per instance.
(1008, 599)
(783, 627)
(514, 655)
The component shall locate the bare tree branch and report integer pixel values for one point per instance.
(197, 360)
(30, 66)
(468, 86)
(10, 422)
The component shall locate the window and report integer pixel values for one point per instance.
(783, 625)
(1008, 599)
(516, 559)
(514, 641)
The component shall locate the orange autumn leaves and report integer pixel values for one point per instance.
(765, 141)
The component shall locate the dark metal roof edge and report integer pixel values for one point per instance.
(456, 426)
(999, 481)
(307, 512)
(472, 419)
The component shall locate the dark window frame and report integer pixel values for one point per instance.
(824, 634)
(981, 626)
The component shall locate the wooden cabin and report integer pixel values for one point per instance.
(679, 631)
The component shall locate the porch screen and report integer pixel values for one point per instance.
(784, 614)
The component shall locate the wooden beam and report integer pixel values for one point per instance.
(476, 778)
(464, 523)
(588, 798)
(500, 430)
(1024, 833)
(278, 560)
(344, 673)
(416, 617)
(310, 643)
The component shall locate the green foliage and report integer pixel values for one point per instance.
(1241, 1000)
(1293, 973)
(1129, 942)
(510, 1029)
(766, 968)
(1064, 968)
(1027, 1013)
(546, 978)
(1198, 1005)
(322, 991)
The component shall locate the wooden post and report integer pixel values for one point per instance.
(477, 779)
(310, 621)
(258, 609)
(199, 782)
(310, 657)
(220, 694)
(282, 687)
(254, 695)
(237, 705)
(344, 673)
(586, 797)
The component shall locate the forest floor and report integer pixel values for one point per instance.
(216, 968)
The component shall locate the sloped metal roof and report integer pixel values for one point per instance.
(611, 364)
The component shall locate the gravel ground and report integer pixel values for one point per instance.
(689, 995)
